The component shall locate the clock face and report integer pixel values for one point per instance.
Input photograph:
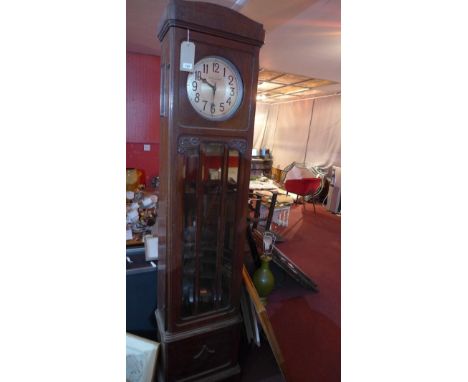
(215, 88)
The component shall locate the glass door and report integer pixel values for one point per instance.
(210, 183)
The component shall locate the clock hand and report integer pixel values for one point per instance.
(206, 82)
(213, 87)
(214, 90)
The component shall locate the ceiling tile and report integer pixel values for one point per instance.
(265, 86)
(314, 82)
(284, 97)
(290, 89)
(290, 79)
(287, 87)
(310, 92)
(266, 75)
(271, 95)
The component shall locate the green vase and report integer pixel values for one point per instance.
(264, 280)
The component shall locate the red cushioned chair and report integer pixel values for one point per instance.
(304, 187)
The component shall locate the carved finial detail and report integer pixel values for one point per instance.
(238, 144)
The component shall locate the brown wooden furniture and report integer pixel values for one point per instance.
(205, 168)
(261, 166)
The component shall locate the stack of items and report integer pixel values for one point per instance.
(282, 207)
(141, 214)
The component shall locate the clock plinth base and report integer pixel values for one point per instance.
(228, 375)
(207, 353)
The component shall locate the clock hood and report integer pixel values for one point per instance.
(222, 21)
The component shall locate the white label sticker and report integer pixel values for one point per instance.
(187, 56)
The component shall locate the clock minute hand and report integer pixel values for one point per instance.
(212, 103)
(214, 90)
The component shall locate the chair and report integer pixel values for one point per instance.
(302, 181)
(304, 187)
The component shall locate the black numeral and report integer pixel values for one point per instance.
(198, 75)
(194, 85)
(197, 97)
(213, 108)
(204, 105)
(205, 68)
(229, 101)
(221, 106)
(224, 72)
(215, 67)
(231, 79)
(232, 91)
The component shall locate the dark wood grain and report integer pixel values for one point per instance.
(213, 20)
(204, 345)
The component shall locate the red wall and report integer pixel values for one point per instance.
(148, 161)
(143, 78)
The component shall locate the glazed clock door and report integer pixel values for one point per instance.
(210, 176)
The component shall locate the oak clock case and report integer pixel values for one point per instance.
(204, 171)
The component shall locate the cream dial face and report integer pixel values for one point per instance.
(215, 88)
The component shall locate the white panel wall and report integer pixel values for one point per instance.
(302, 131)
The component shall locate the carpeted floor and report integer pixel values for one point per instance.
(307, 324)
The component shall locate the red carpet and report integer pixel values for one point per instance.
(307, 324)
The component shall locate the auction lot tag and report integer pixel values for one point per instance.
(187, 56)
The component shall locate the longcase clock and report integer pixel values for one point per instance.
(207, 120)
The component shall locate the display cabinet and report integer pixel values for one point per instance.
(207, 119)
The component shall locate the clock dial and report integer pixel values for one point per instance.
(215, 88)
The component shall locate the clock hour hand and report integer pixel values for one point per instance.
(213, 87)
(206, 82)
